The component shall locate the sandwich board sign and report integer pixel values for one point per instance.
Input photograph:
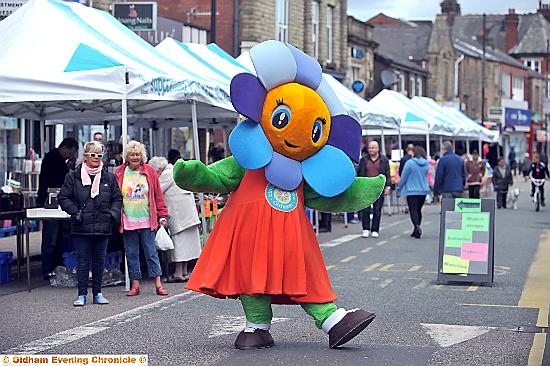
(466, 240)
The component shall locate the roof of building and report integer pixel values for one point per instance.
(535, 38)
(405, 41)
(474, 49)
(403, 63)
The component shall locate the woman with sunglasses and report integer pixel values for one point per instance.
(144, 210)
(90, 194)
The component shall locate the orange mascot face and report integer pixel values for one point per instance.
(295, 120)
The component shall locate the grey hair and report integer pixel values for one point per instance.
(448, 146)
(135, 146)
(158, 162)
(93, 146)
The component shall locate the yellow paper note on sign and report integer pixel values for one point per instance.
(454, 264)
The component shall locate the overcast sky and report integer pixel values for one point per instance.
(428, 9)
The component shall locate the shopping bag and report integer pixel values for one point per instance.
(163, 240)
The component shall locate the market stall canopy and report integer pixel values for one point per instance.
(414, 120)
(487, 135)
(67, 62)
(357, 107)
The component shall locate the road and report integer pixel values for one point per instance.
(419, 321)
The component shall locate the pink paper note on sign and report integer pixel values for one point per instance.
(478, 252)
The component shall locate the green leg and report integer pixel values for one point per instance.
(319, 312)
(257, 309)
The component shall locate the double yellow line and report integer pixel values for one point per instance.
(536, 294)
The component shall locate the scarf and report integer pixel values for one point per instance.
(85, 173)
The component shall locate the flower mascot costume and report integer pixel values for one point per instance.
(294, 149)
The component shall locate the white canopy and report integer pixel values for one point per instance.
(65, 61)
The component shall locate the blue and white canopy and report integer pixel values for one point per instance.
(65, 61)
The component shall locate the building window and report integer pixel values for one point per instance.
(518, 88)
(412, 86)
(532, 64)
(282, 20)
(419, 86)
(355, 73)
(330, 12)
(315, 28)
(400, 84)
(506, 86)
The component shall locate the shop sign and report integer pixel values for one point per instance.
(136, 16)
(9, 6)
(517, 117)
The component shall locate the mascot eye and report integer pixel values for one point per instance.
(280, 116)
(317, 131)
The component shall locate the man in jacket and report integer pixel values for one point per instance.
(450, 175)
(52, 175)
(475, 170)
(538, 170)
(371, 166)
(409, 154)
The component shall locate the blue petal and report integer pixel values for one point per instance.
(329, 172)
(249, 145)
(283, 172)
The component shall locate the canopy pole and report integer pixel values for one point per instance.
(479, 146)
(196, 155)
(440, 142)
(428, 143)
(382, 141)
(400, 142)
(468, 146)
(124, 122)
(224, 137)
(42, 137)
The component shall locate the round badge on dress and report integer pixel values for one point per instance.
(281, 200)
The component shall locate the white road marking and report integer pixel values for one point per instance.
(395, 236)
(340, 240)
(372, 267)
(73, 334)
(366, 250)
(447, 334)
(348, 259)
(381, 242)
(330, 267)
(224, 325)
(385, 283)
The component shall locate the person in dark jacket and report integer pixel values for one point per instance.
(414, 185)
(475, 168)
(409, 154)
(538, 170)
(371, 166)
(92, 193)
(52, 174)
(502, 179)
(450, 175)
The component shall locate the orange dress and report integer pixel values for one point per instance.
(256, 249)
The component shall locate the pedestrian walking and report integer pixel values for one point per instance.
(475, 170)
(408, 155)
(502, 179)
(90, 194)
(143, 211)
(450, 175)
(52, 175)
(372, 165)
(512, 161)
(526, 166)
(414, 186)
(183, 220)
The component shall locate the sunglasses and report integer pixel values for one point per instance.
(94, 155)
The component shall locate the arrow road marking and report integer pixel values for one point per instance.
(225, 325)
(447, 334)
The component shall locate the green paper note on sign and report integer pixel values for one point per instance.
(467, 205)
(475, 221)
(455, 238)
(453, 264)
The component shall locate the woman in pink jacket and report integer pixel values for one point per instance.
(143, 211)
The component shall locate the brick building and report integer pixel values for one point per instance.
(361, 55)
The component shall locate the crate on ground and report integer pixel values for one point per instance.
(113, 260)
(6, 258)
(7, 231)
(69, 260)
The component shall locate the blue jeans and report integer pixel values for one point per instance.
(50, 249)
(90, 248)
(145, 238)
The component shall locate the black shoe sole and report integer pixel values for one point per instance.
(353, 332)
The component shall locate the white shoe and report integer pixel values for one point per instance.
(374, 234)
(366, 233)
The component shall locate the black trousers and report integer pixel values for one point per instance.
(415, 204)
(501, 198)
(473, 191)
(376, 210)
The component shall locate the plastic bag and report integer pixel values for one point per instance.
(163, 240)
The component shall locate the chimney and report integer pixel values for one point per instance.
(451, 8)
(544, 10)
(511, 22)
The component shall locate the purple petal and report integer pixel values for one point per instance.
(283, 172)
(345, 134)
(308, 71)
(248, 95)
